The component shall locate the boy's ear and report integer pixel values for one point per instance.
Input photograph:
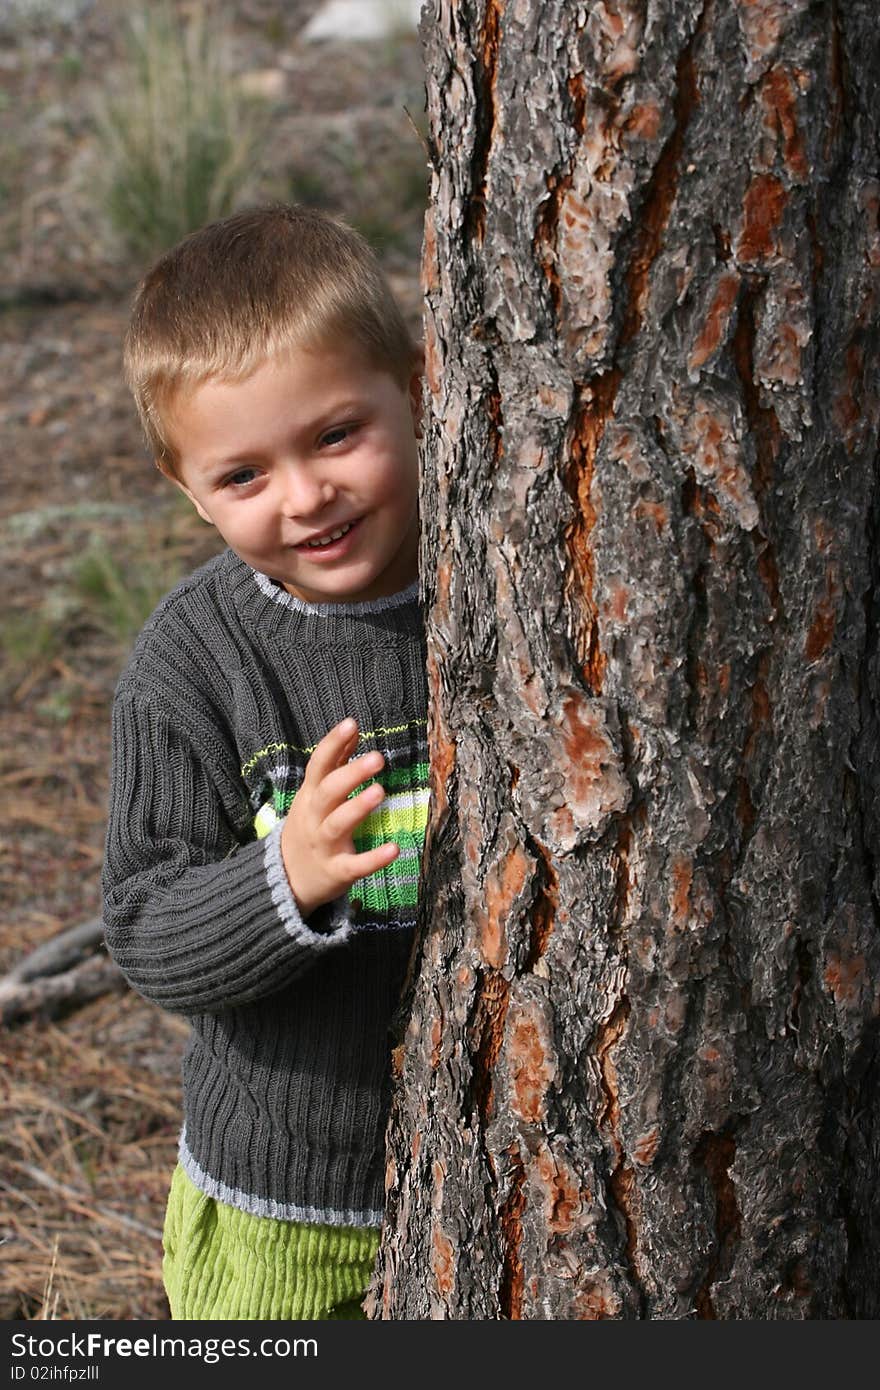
(172, 477)
(415, 391)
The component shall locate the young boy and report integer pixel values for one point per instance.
(249, 884)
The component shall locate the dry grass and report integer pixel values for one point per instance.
(91, 1112)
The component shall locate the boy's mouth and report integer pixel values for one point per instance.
(332, 543)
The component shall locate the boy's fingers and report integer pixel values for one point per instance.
(346, 817)
(333, 749)
(357, 866)
(342, 781)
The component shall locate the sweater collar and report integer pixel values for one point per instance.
(277, 594)
(268, 609)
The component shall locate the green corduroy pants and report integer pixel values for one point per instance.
(222, 1263)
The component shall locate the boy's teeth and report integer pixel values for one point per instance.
(334, 535)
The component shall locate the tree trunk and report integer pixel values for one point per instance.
(640, 1073)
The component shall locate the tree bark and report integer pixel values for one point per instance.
(640, 1073)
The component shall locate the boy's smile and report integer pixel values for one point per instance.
(311, 446)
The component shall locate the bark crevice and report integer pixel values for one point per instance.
(485, 115)
(510, 1225)
(715, 1153)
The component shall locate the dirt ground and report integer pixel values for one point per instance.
(91, 536)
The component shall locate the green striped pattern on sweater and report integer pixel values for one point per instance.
(389, 897)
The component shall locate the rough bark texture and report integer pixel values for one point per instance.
(640, 1077)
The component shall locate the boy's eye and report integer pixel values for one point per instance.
(241, 478)
(337, 435)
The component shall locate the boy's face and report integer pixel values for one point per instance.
(310, 443)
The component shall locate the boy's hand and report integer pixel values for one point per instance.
(317, 844)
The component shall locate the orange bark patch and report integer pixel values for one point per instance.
(708, 439)
(442, 759)
(843, 978)
(782, 361)
(717, 319)
(510, 1226)
(779, 97)
(597, 1299)
(765, 202)
(488, 1034)
(430, 259)
(644, 120)
(607, 1038)
(583, 745)
(592, 417)
(655, 510)
(616, 607)
(436, 1035)
(646, 1146)
(502, 887)
(680, 899)
(562, 1197)
(390, 1174)
(442, 1262)
(821, 631)
(531, 1069)
(660, 197)
(762, 26)
(590, 784)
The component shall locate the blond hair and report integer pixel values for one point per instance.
(243, 290)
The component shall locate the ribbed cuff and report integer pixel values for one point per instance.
(331, 923)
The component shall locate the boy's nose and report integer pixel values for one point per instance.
(304, 494)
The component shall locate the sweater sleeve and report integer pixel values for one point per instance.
(197, 917)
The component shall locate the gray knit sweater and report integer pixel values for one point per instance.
(230, 686)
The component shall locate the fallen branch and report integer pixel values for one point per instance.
(59, 953)
(86, 981)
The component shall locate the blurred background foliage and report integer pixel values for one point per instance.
(178, 140)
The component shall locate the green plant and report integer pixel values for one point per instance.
(275, 29)
(177, 137)
(115, 597)
(70, 65)
(30, 640)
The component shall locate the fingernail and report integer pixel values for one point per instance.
(348, 727)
